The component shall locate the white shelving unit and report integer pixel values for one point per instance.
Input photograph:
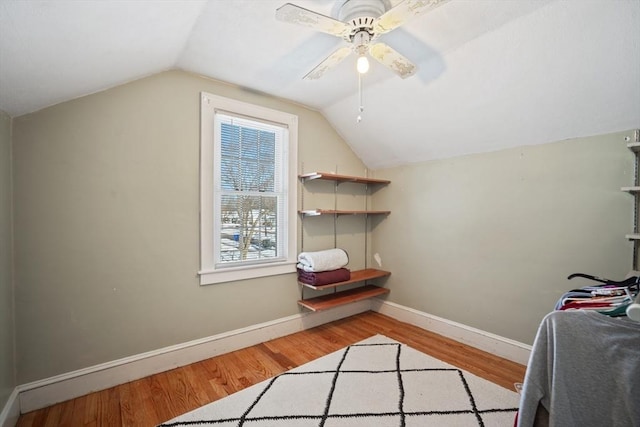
(634, 145)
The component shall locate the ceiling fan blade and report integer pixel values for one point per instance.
(331, 61)
(403, 12)
(392, 59)
(305, 17)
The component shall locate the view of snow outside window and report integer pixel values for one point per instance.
(248, 198)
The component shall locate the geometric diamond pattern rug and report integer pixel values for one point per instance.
(376, 382)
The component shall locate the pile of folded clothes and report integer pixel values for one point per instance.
(323, 267)
(609, 297)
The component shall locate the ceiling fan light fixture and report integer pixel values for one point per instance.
(362, 65)
(360, 23)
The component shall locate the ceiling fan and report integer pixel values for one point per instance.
(360, 23)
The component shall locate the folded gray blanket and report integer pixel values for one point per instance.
(327, 260)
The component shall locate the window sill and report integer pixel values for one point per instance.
(210, 277)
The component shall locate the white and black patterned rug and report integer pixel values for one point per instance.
(376, 382)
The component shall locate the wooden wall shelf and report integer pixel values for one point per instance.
(328, 176)
(325, 302)
(356, 276)
(318, 212)
(335, 299)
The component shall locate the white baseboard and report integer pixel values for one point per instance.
(11, 411)
(491, 343)
(43, 393)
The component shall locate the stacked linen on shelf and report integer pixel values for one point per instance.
(323, 267)
(324, 277)
(329, 259)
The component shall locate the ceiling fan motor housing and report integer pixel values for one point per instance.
(361, 14)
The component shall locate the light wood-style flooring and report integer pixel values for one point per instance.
(158, 398)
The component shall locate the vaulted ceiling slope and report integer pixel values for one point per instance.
(491, 74)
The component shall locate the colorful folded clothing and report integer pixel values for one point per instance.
(324, 277)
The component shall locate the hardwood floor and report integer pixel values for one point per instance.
(152, 400)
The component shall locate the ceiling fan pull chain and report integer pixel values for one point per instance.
(361, 107)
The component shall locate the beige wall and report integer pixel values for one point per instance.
(488, 240)
(7, 363)
(107, 232)
(107, 241)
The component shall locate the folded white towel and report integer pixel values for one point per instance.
(330, 259)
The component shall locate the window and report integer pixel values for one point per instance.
(248, 190)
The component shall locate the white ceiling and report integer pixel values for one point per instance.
(492, 73)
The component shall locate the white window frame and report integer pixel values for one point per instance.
(209, 272)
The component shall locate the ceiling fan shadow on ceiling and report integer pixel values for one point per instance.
(360, 23)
